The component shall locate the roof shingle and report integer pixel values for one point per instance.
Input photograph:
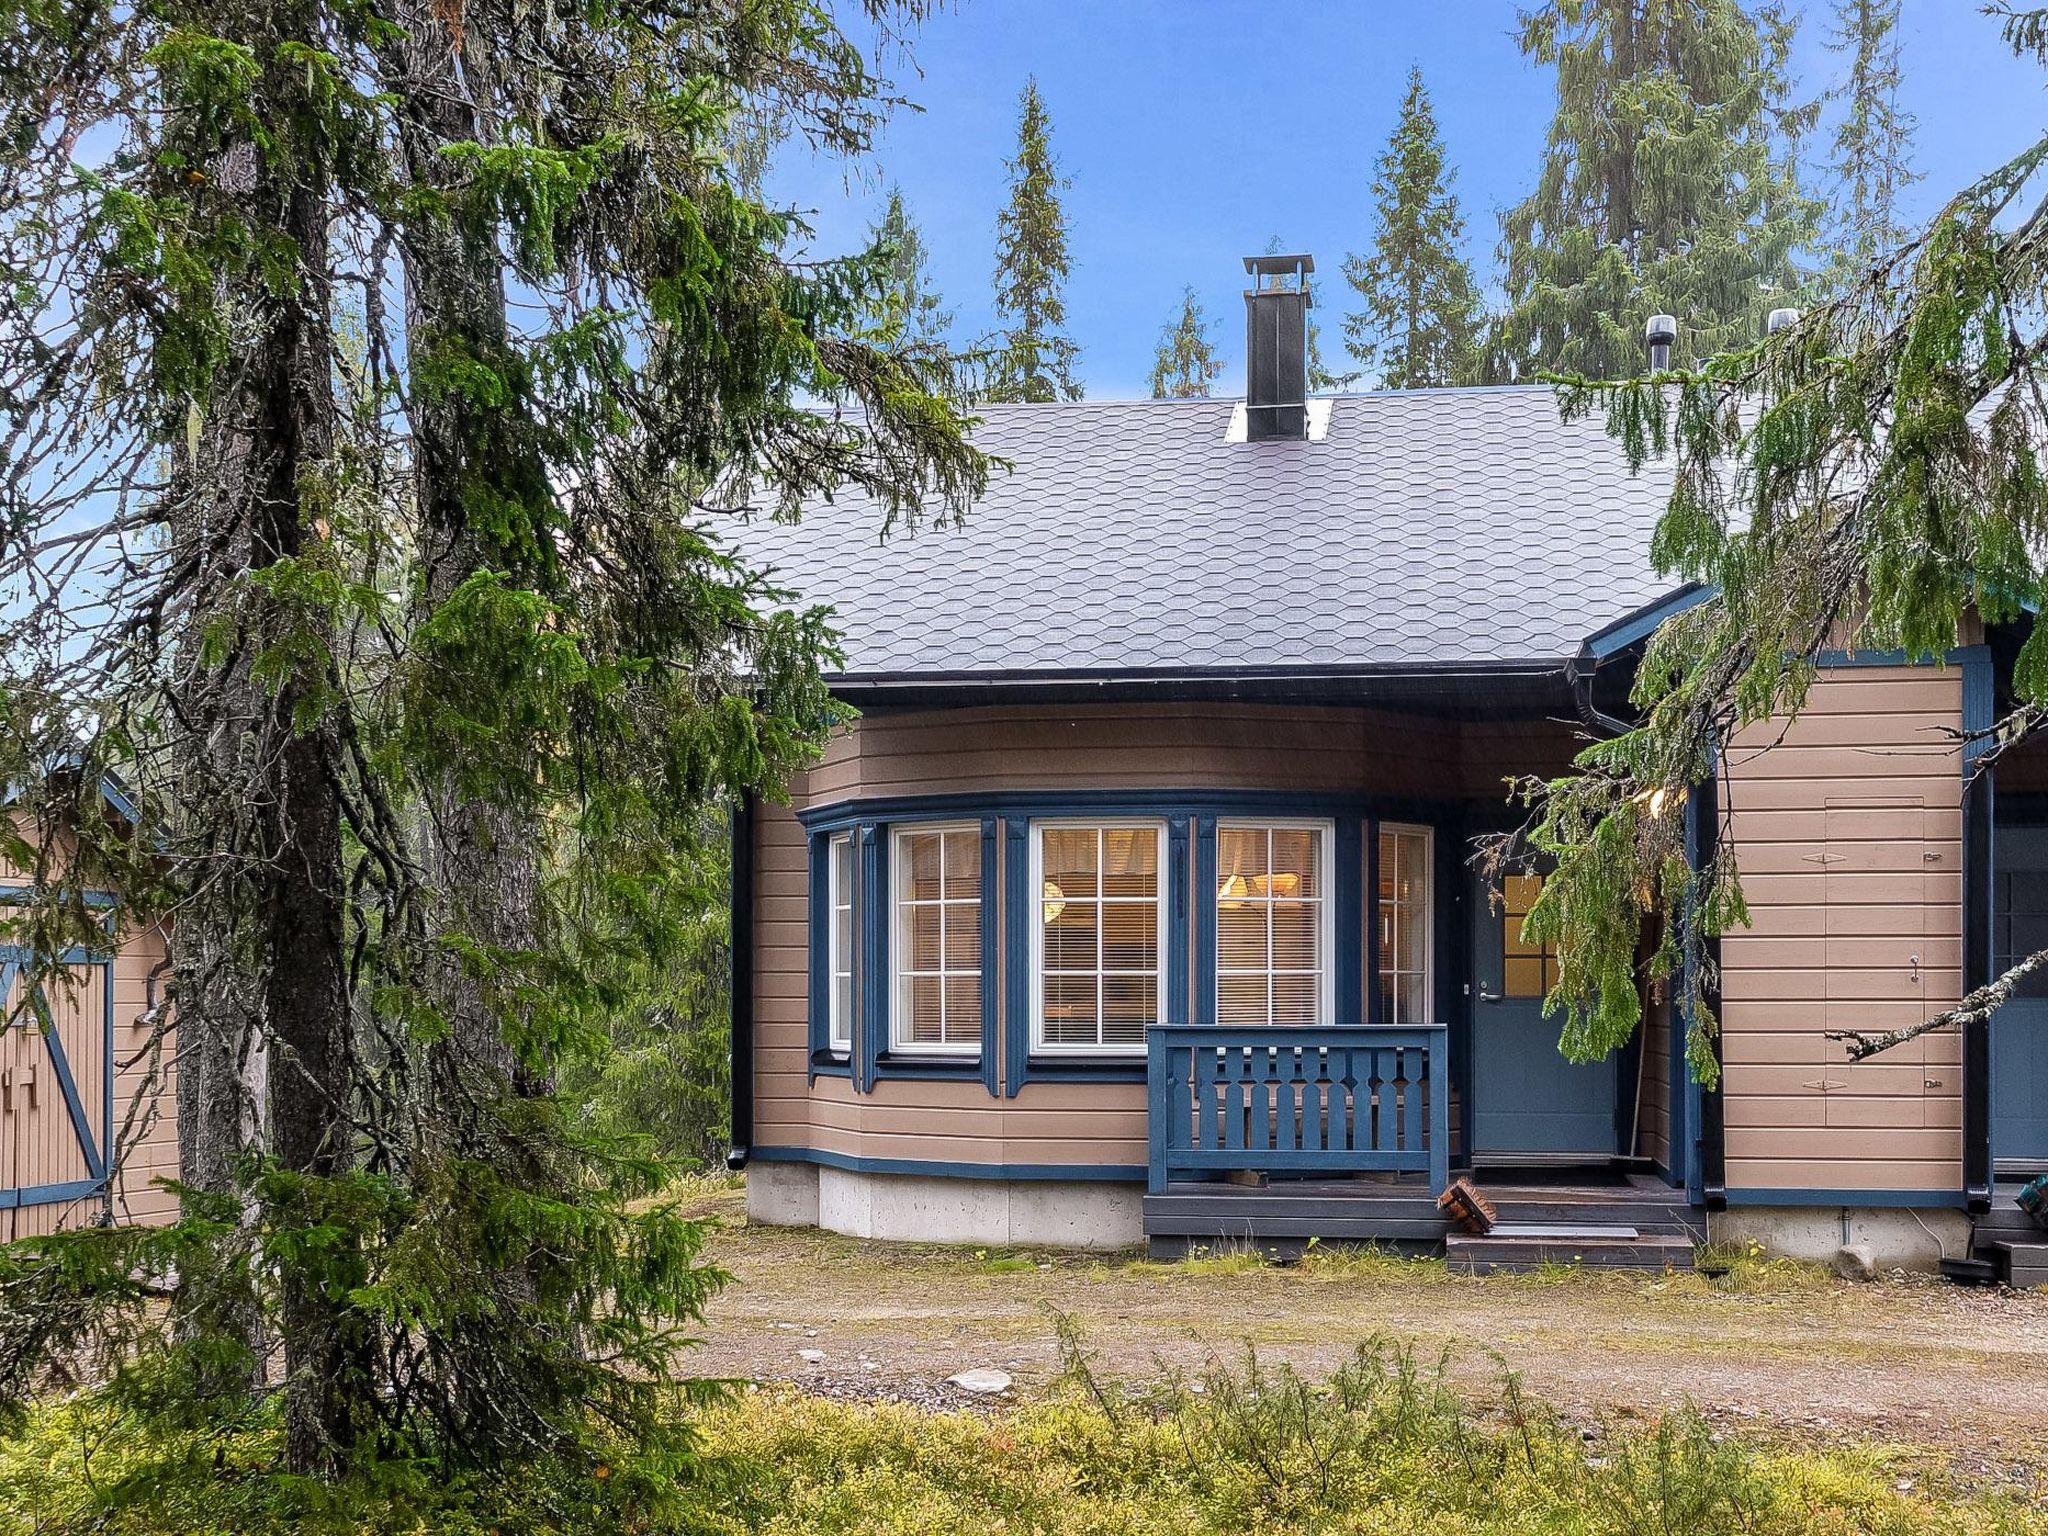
(1427, 528)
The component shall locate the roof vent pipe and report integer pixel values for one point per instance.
(1660, 335)
(1276, 348)
(1780, 320)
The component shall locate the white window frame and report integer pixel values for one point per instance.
(899, 942)
(1428, 909)
(1034, 915)
(1326, 917)
(838, 1025)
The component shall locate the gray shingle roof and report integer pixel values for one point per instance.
(1427, 528)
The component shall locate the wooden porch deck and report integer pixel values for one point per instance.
(1284, 1215)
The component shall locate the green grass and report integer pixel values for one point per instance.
(1383, 1444)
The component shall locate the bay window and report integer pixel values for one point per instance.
(1273, 938)
(1098, 967)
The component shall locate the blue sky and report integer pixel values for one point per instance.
(1194, 130)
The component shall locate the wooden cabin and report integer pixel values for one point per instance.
(1137, 902)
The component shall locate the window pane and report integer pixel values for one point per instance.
(1070, 941)
(1240, 859)
(1523, 977)
(842, 1007)
(1294, 998)
(1130, 936)
(921, 872)
(963, 1009)
(1129, 1003)
(842, 871)
(1295, 933)
(963, 865)
(1241, 999)
(1069, 859)
(923, 950)
(1409, 1001)
(1519, 892)
(1070, 1010)
(1241, 937)
(1407, 950)
(921, 1011)
(1297, 860)
(1130, 862)
(963, 935)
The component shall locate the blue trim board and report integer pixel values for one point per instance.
(15, 891)
(50, 1194)
(1348, 913)
(1017, 955)
(872, 943)
(1853, 1199)
(1643, 623)
(1165, 802)
(1205, 921)
(1178, 835)
(991, 938)
(1091, 1173)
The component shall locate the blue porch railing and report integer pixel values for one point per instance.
(1349, 1099)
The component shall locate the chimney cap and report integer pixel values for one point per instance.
(1277, 265)
(1779, 320)
(1661, 331)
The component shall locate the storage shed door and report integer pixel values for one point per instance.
(55, 1086)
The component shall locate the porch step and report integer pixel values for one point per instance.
(1517, 1252)
(2022, 1265)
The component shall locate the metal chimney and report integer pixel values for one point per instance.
(1780, 320)
(1660, 335)
(1276, 347)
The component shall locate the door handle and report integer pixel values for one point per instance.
(1488, 997)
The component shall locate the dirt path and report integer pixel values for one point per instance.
(1784, 1349)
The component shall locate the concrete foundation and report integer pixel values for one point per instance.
(1893, 1237)
(918, 1209)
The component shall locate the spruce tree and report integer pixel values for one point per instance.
(1666, 187)
(1874, 476)
(1870, 163)
(1185, 365)
(907, 310)
(1032, 358)
(1420, 325)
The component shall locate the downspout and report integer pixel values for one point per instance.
(740, 982)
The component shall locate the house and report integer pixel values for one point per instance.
(87, 1099)
(1136, 903)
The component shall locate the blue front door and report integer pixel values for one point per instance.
(2019, 1030)
(1527, 1099)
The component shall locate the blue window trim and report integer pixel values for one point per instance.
(824, 1061)
(881, 1063)
(1205, 919)
(991, 940)
(1152, 803)
(872, 850)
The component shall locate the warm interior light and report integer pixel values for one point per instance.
(1232, 891)
(1055, 901)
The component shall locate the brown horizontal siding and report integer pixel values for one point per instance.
(1847, 828)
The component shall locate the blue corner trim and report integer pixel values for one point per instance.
(1370, 1005)
(991, 940)
(1017, 955)
(1852, 1199)
(1091, 1173)
(1348, 896)
(1205, 919)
